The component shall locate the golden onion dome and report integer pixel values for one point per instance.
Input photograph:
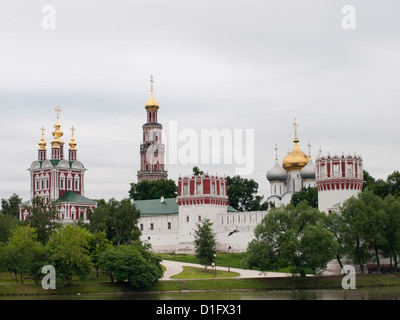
(42, 143)
(295, 160)
(57, 133)
(152, 103)
(72, 143)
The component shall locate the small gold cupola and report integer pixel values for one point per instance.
(42, 143)
(72, 143)
(152, 103)
(296, 159)
(57, 133)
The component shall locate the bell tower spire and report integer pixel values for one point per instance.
(152, 149)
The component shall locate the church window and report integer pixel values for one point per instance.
(76, 182)
(62, 181)
(151, 226)
(169, 225)
(187, 218)
(199, 218)
(141, 227)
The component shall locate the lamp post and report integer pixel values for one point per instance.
(215, 262)
(229, 253)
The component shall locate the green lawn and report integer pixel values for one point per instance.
(287, 283)
(223, 258)
(200, 273)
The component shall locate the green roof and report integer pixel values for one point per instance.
(71, 196)
(231, 209)
(156, 207)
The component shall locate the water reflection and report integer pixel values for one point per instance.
(388, 293)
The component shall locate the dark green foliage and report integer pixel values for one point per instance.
(131, 262)
(204, 242)
(44, 218)
(291, 237)
(10, 207)
(309, 194)
(146, 190)
(69, 253)
(242, 194)
(118, 219)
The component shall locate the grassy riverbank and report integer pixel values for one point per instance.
(287, 283)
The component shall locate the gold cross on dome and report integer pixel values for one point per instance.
(43, 130)
(309, 148)
(276, 153)
(58, 110)
(295, 127)
(73, 130)
(151, 81)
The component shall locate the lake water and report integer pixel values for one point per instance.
(386, 293)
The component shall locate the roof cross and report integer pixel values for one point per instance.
(295, 127)
(152, 82)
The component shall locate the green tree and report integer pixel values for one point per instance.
(205, 243)
(355, 242)
(391, 229)
(242, 194)
(98, 243)
(44, 218)
(156, 189)
(118, 218)
(334, 223)
(10, 207)
(373, 225)
(132, 262)
(393, 181)
(23, 254)
(291, 237)
(310, 194)
(368, 179)
(98, 218)
(123, 221)
(197, 171)
(7, 224)
(69, 253)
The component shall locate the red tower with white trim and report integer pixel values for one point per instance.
(152, 150)
(338, 178)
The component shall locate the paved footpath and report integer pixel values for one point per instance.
(175, 267)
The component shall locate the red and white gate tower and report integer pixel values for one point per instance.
(59, 180)
(152, 150)
(338, 178)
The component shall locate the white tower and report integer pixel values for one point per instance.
(338, 179)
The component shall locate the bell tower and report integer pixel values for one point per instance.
(152, 150)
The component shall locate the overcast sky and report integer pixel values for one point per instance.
(217, 64)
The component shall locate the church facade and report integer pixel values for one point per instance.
(59, 180)
(297, 171)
